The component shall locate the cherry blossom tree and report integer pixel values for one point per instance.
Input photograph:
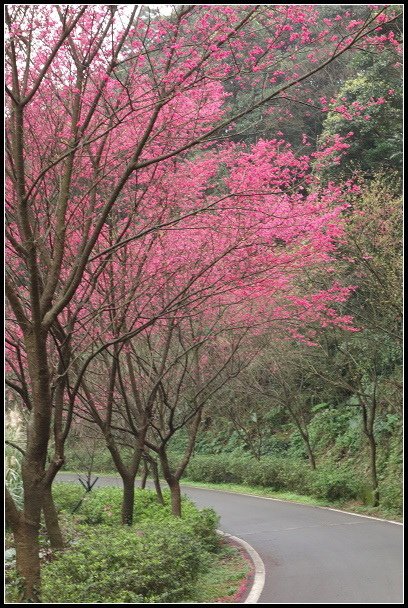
(103, 101)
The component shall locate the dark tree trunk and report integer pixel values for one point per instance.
(33, 468)
(175, 491)
(28, 561)
(128, 475)
(144, 476)
(25, 532)
(128, 500)
(155, 471)
(26, 537)
(305, 436)
(172, 482)
(373, 467)
(368, 426)
(312, 459)
(51, 520)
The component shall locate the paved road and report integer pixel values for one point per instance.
(311, 555)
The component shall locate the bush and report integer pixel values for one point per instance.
(203, 524)
(66, 496)
(213, 469)
(275, 473)
(103, 507)
(157, 563)
(156, 560)
(328, 425)
(391, 496)
(281, 474)
(336, 484)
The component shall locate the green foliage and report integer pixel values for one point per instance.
(157, 563)
(337, 430)
(376, 142)
(203, 524)
(66, 496)
(224, 442)
(102, 507)
(319, 407)
(336, 484)
(216, 469)
(78, 459)
(387, 426)
(390, 465)
(392, 495)
(14, 484)
(157, 560)
(223, 578)
(329, 483)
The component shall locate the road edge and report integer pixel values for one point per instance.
(293, 502)
(259, 568)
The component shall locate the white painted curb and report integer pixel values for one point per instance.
(259, 578)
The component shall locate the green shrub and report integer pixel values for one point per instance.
(203, 524)
(280, 474)
(67, 495)
(103, 506)
(328, 425)
(157, 563)
(285, 474)
(296, 448)
(391, 496)
(213, 469)
(275, 473)
(156, 560)
(336, 484)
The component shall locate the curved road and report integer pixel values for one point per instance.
(311, 555)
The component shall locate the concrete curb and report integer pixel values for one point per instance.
(259, 575)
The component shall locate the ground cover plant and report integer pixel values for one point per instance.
(159, 559)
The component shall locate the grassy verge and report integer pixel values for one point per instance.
(225, 579)
(258, 491)
(352, 506)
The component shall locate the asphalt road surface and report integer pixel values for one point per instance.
(311, 555)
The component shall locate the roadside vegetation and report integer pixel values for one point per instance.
(159, 559)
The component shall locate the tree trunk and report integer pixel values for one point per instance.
(28, 561)
(51, 520)
(305, 436)
(373, 466)
(310, 452)
(128, 475)
(144, 476)
(368, 426)
(128, 500)
(26, 534)
(175, 491)
(155, 470)
(33, 467)
(173, 483)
